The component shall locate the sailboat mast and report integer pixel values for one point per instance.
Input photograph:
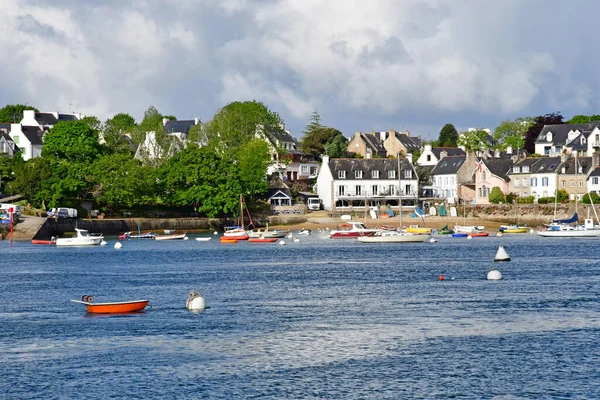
(399, 190)
(242, 211)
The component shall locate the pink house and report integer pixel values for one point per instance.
(490, 173)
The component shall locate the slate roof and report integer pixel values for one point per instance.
(182, 126)
(5, 127)
(408, 142)
(368, 165)
(526, 162)
(545, 165)
(560, 133)
(452, 151)
(6, 137)
(595, 172)
(46, 119)
(570, 167)
(67, 117)
(499, 166)
(33, 134)
(373, 143)
(448, 165)
(576, 144)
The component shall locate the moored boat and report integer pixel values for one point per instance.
(468, 228)
(262, 240)
(514, 229)
(40, 241)
(82, 238)
(417, 230)
(479, 234)
(113, 307)
(388, 236)
(178, 236)
(353, 230)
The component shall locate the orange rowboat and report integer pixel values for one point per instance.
(262, 240)
(113, 308)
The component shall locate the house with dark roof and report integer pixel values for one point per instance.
(176, 139)
(46, 120)
(593, 179)
(396, 143)
(432, 155)
(573, 173)
(580, 139)
(367, 145)
(350, 183)
(29, 140)
(534, 176)
(489, 173)
(8, 148)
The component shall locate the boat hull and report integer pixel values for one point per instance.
(516, 230)
(419, 231)
(38, 241)
(180, 236)
(479, 234)
(114, 308)
(78, 242)
(393, 239)
(570, 233)
(262, 240)
(350, 235)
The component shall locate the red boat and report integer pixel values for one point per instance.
(225, 239)
(38, 241)
(478, 234)
(262, 240)
(355, 230)
(112, 308)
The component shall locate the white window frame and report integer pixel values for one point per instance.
(358, 175)
(341, 174)
(392, 174)
(341, 190)
(517, 183)
(375, 174)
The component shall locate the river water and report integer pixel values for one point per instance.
(319, 318)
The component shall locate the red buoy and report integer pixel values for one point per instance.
(441, 277)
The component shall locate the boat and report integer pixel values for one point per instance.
(304, 231)
(387, 236)
(112, 308)
(203, 239)
(40, 241)
(268, 233)
(140, 235)
(468, 228)
(445, 230)
(82, 238)
(459, 234)
(239, 231)
(353, 229)
(168, 231)
(514, 229)
(177, 236)
(262, 240)
(415, 229)
(479, 234)
(225, 239)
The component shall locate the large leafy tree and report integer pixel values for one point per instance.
(583, 119)
(203, 179)
(538, 124)
(238, 123)
(33, 180)
(117, 133)
(13, 113)
(448, 136)
(474, 140)
(315, 122)
(337, 147)
(73, 141)
(512, 132)
(254, 159)
(315, 141)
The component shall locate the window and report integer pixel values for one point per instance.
(393, 190)
(483, 175)
(533, 182)
(595, 180)
(580, 170)
(342, 174)
(544, 181)
(580, 183)
(375, 174)
(571, 184)
(516, 169)
(526, 168)
(304, 170)
(480, 192)
(525, 182)
(375, 190)
(428, 157)
(563, 183)
(563, 170)
(341, 190)
(3, 147)
(517, 183)
(358, 190)
(358, 174)
(408, 174)
(392, 174)
(16, 139)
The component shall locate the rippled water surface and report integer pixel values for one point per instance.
(314, 319)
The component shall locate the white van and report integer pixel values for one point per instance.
(314, 203)
(16, 209)
(62, 212)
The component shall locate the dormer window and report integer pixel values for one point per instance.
(358, 174)
(392, 174)
(516, 169)
(408, 174)
(549, 137)
(375, 174)
(525, 168)
(580, 170)
(342, 174)
(563, 170)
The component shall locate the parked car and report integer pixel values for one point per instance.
(62, 212)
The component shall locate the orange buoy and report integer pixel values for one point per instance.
(441, 277)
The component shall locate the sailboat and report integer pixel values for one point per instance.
(469, 229)
(569, 227)
(238, 231)
(514, 228)
(394, 236)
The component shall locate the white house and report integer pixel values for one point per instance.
(28, 139)
(593, 181)
(347, 183)
(580, 139)
(444, 177)
(177, 137)
(432, 155)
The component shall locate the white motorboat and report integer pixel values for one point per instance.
(304, 231)
(355, 229)
(178, 236)
(387, 236)
(564, 230)
(468, 228)
(203, 239)
(82, 238)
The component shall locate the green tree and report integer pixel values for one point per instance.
(32, 179)
(337, 147)
(13, 113)
(238, 123)
(496, 196)
(170, 117)
(117, 133)
(474, 140)
(583, 119)
(254, 158)
(538, 124)
(315, 141)
(197, 134)
(448, 136)
(512, 133)
(315, 122)
(71, 141)
(595, 199)
(93, 122)
(152, 122)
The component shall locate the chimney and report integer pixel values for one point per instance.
(165, 121)
(325, 159)
(409, 157)
(443, 154)
(372, 133)
(427, 147)
(196, 120)
(406, 133)
(509, 150)
(383, 136)
(496, 153)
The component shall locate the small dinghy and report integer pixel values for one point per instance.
(203, 239)
(262, 240)
(111, 308)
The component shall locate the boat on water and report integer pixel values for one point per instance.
(445, 230)
(268, 233)
(82, 238)
(239, 231)
(304, 231)
(203, 239)
(129, 235)
(42, 241)
(479, 234)
(262, 240)
(112, 308)
(352, 230)
(388, 236)
(514, 229)
(468, 228)
(417, 230)
(177, 236)
(225, 239)
(570, 228)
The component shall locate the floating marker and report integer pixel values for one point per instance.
(103, 243)
(494, 275)
(501, 254)
(118, 245)
(281, 242)
(215, 233)
(499, 234)
(441, 278)
(195, 302)
(432, 240)
(296, 240)
(469, 237)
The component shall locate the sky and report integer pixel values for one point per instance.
(363, 65)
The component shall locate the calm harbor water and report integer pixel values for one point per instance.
(315, 319)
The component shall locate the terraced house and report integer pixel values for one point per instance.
(534, 176)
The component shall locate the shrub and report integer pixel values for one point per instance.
(586, 198)
(524, 200)
(545, 200)
(496, 196)
(562, 196)
(510, 198)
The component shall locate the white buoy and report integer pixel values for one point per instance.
(494, 275)
(499, 234)
(118, 245)
(501, 254)
(215, 233)
(186, 238)
(432, 240)
(103, 243)
(469, 237)
(282, 242)
(296, 240)
(195, 302)
(531, 230)
(290, 236)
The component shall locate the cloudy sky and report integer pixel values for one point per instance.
(364, 65)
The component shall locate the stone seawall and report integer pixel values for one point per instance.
(532, 214)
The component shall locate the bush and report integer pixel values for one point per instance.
(496, 196)
(562, 196)
(524, 200)
(545, 200)
(586, 198)
(510, 198)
